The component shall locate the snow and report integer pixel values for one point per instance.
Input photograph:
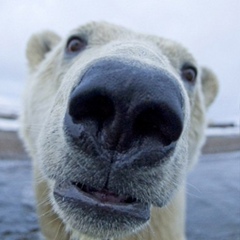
(9, 125)
(223, 131)
(9, 107)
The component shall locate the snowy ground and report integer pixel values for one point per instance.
(213, 206)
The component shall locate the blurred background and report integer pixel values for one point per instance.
(209, 29)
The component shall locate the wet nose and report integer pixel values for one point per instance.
(120, 102)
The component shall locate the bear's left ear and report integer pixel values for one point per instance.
(38, 45)
(210, 86)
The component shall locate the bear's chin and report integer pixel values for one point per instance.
(99, 214)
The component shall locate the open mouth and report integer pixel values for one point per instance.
(80, 197)
(104, 195)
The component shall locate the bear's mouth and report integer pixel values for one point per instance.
(104, 195)
(84, 198)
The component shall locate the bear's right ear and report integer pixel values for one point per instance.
(37, 47)
(210, 86)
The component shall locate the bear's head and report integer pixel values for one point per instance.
(113, 120)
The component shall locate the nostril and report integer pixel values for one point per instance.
(91, 105)
(158, 122)
(147, 123)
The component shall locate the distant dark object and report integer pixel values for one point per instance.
(8, 115)
(220, 144)
(221, 125)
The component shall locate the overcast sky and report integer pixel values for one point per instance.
(209, 29)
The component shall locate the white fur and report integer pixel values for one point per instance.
(51, 80)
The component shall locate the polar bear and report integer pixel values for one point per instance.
(113, 120)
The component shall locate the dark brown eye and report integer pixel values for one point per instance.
(75, 45)
(189, 74)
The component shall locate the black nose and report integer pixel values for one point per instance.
(118, 104)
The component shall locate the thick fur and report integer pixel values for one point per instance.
(53, 75)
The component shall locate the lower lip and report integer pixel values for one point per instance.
(68, 192)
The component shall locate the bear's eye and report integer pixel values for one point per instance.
(75, 44)
(189, 74)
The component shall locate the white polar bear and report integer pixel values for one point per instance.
(113, 120)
